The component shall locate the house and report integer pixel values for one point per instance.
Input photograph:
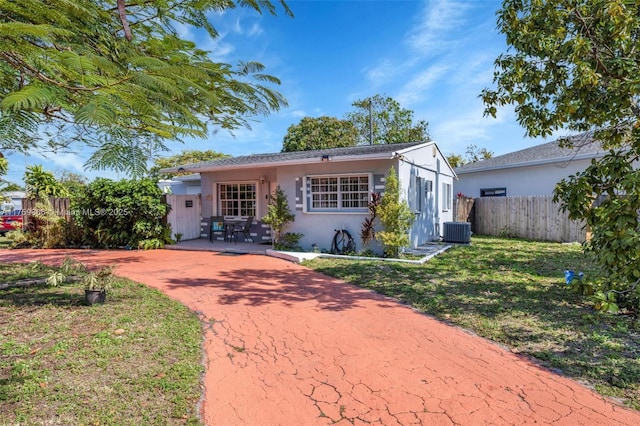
(181, 185)
(13, 200)
(531, 171)
(327, 189)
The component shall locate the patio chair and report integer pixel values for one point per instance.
(218, 227)
(244, 229)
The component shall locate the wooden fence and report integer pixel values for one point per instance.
(60, 205)
(532, 217)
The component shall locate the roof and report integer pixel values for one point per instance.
(584, 146)
(360, 152)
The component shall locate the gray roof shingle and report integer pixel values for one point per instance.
(278, 157)
(550, 152)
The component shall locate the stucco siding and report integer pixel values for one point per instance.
(417, 166)
(319, 228)
(422, 173)
(519, 181)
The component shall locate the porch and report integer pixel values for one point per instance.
(203, 244)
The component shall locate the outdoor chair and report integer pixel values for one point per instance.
(245, 230)
(218, 227)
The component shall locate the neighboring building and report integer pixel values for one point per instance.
(530, 171)
(328, 189)
(14, 202)
(181, 185)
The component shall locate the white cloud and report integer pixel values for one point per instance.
(299, 113)
(382, 73)
(255, 30)
(413, 90)
(439, 26)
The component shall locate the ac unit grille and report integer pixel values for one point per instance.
(457, 232)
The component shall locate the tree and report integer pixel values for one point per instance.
(185, 157)
(395, 216)
(278, 216)
(455, 160)
(4, 167)
(73, 182)
(115, 75)
(391, 123)
(42, 184)
(472, 155)
(318, 133)
(475, 154)
(574, 66)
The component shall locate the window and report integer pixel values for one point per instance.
(447, 200)
(428, 186)
(493, 192)
(237, 199)
(338, 193)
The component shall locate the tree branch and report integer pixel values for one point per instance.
(16, 62)
(122, 12)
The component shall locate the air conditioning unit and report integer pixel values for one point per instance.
(457, 232)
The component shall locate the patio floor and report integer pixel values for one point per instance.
(428, 250)
(203, 244)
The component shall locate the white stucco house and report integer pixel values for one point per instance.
(181, 185)
(327, 189)
(13, 200)
(531, 171)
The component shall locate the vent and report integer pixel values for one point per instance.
(457, 232)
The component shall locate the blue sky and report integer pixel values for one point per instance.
(433, 56)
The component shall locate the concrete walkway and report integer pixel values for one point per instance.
(288, 346)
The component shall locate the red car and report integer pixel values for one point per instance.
(10, 221)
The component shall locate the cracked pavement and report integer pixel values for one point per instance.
(288, 346)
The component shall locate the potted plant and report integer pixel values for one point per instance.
(96, 285)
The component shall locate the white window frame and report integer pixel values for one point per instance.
(239, 200)
(447, 196)
(308, 205)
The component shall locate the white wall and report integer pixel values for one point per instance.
(429, 207)
(319, 228)
(178, 187)
(525, 180)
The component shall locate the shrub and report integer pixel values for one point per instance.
(123, 213)
(395, 216)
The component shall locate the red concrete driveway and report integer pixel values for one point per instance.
(288, 346)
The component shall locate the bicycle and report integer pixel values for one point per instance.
(342, 242)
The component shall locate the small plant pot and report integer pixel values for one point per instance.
(94, 296)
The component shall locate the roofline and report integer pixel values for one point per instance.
(585, 156)
(389, 155)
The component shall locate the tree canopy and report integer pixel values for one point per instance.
(116, 74)
(42, 183)
(472, 155)
(317, 133)
(575, 66)
(185, 157)
(391, 122)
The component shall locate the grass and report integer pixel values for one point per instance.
(513, 292)
(134, 360)
(4, 242)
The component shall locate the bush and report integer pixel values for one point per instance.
(395, 217)
(123, 213)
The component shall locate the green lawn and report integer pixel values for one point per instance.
(4, 242)
(513, 292)
(134, 360)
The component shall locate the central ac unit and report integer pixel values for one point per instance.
(457, 232)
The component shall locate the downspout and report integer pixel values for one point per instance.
(437, 202)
